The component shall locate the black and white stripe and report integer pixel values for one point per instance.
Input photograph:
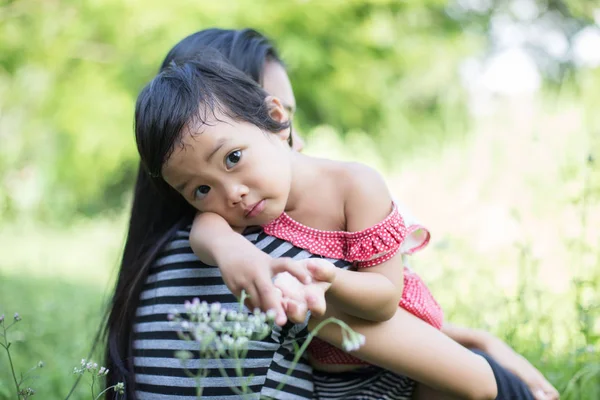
(177, 276)
(367, 383)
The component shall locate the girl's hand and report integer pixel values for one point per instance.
(251, 270)
(243, 266)
(297, 298)
(517, 364)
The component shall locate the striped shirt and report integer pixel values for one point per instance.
(176, 276)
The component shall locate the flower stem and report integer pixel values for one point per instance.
(223, 373)
(92, 386)
(104, 391)
(12, 368)
(304, 346)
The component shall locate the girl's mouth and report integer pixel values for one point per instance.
(255, 209)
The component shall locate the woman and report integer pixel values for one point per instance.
(159, 270)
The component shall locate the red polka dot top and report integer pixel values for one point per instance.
(366, 248)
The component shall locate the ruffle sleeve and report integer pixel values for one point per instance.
(377, 244)
(417, 237)
(381, 242)
(368, 247)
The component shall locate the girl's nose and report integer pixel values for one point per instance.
(236, 193)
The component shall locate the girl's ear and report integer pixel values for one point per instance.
(278, 113)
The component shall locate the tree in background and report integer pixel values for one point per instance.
(70, 72)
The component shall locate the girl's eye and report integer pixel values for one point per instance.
(201, 192)
(233, 158)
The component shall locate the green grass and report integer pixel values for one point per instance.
(59, 321)
(515, 251)
(61, 316)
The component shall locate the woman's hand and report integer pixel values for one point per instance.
(506, 357)
(517, 364)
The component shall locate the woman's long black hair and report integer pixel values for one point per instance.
(158, 211)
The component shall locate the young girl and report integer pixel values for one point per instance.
(218, 139)
(356, 236)
(332, 209)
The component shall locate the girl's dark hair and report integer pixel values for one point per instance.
(158, 211)
(186, 95)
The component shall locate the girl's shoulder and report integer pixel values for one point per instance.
(352, 172)
(367, 199)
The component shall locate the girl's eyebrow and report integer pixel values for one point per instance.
(181, 187)
(220, 143)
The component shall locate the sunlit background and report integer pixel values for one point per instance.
(484, 115)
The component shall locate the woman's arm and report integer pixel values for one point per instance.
(470, 338)
(409, 346)
(504, 355)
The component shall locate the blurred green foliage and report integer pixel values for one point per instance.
(384, 77)
(70, 71)
(52, 326)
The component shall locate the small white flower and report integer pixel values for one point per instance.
(120, 388)
(203, 306)
(232, 315)
(271, 315)
(361, 339)
(240, 343)
(227, 340)
(215, 308)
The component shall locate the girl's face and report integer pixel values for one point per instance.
(276, 82)
(233, 168)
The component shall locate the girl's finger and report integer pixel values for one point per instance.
(295, 268)
(315, 299)
(321, 270)
(296, 311)
(271, 300)
(289, 286)
(253, 297)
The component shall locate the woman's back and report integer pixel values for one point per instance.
(176, 276)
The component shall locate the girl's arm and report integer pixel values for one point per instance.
(242, 265)
(409, 346)
(372, 293)
(211, 238)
